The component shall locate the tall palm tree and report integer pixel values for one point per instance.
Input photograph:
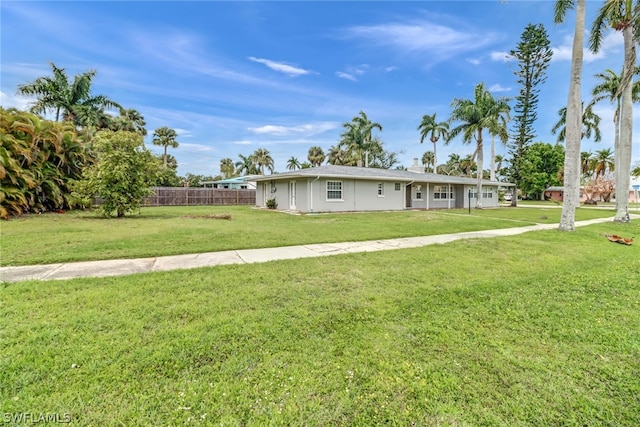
(165, 137)
(429, 160)
(227, 167)
(624, 16)
(129, 120)
(71, 101)
(603, 162)
(293, 164)
(474, 116)
(586, 165)
(430, 127)
(263, 159)
(573, 131)
(316, 155)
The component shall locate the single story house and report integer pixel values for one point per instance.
(236, 183)
(557, 193)
(333, 188)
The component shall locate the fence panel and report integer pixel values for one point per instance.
(191, 196)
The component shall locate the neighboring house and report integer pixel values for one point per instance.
(237, 183)
(557, 193)
(348, 188)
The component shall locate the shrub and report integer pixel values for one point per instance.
(271, 204)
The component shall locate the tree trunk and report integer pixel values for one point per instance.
(623, 152)
(573, 130)
(480, 159)
(492, 172)
(435, 157)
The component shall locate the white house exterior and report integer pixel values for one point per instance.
(347, 189)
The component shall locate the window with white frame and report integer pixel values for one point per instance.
(334, 190)
(381, 189)
(417, 192)
(397, 186)
(487, 193)
(443, 192)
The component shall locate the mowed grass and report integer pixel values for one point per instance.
(76, 236)
(536, 329)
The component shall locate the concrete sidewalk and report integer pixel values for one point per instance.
(122, 267)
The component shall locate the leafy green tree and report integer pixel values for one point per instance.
(38, 160)
(571, 169)
(227, 167)
(624, 16)
(122, 174)
(193, 180)
(541, 163)
(533, 53)
(473, 117)
(430, 127)
(635, 171)
(293, 164)
(129, 120)
(316, 155)
(165, 137)
(167, 176)
(305, 165)
(71, 100)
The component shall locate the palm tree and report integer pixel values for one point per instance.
(165, 137)
(357, 136)
(590, 124)
(429, 160)
(263, 159)
(586, 165)
(574, 114)
(293, 164)
(71, 100)
(129, 120)
(635, 171)
(247, 166)
(430, 127)
(475, 115)
(227, 167)
(316, 155)
(603, 162)
(621, 15)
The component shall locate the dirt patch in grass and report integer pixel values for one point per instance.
(212, 216)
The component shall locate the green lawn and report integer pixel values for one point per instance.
(537, 329)
(75, 236)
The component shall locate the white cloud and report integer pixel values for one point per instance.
(346, 76)
(183, 133)
(281, 67)
(499, 88)
(500, 56)
(194, 147)
(473, 61)
(16, 101)
(390, 69)
(306, 129)
(423, 36)
(243, 142)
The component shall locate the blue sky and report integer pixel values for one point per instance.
(231, 77)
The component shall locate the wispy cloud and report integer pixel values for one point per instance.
(499, 88)
(473, 61)
(306, 129)
(195, 147)
(243, 142)
(423, 36)
(281, 67)
(500, 56)
(346, 76)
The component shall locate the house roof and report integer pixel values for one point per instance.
(333, 171)
(234, 180)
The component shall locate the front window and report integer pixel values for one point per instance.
(417, 195)
(443, 192)
(334, 190)
(397, 186)
(380, 189)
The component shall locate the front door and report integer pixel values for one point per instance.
(292, 195)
